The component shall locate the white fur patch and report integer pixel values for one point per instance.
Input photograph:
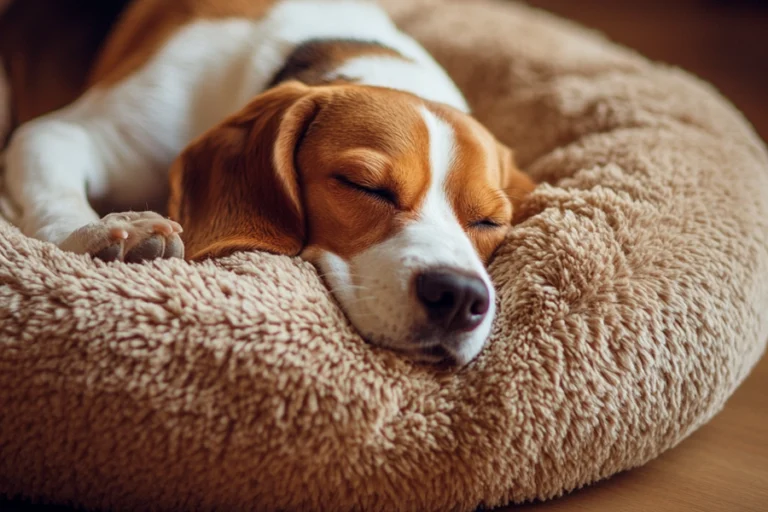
(414, 77)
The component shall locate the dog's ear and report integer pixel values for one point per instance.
(236, 187)
(515, 183)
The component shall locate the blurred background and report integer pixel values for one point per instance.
(725, 42)
(722, 41)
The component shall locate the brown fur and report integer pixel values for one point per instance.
(485, 182)
(269, 177)
(373, 137)
(235, 187)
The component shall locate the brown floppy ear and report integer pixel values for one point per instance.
(515, 183)
(236, 187)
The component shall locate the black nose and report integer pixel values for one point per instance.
(453, 300)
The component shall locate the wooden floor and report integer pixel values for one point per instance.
(724, 466)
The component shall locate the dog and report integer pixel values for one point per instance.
(309, 128)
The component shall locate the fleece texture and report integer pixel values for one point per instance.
(632, 301)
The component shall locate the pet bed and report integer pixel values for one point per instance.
(632, 303)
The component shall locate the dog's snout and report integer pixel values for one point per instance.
(453, 300)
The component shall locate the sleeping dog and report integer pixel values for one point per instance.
(309, 128)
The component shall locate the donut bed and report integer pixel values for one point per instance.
(632, 302)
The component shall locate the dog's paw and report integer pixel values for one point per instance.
(131, 236)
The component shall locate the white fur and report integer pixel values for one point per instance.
(115, 144)
(391, 316)
(410, 76)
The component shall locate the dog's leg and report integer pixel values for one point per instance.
(56, 163)
(115, 144)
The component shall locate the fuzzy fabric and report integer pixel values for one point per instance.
(632, 302)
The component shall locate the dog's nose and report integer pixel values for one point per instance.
(454, 300)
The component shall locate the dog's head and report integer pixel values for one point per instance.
(399, 202)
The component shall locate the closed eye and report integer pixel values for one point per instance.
(485, 224)
(378, 193)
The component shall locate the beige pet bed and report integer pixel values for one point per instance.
(633, 301)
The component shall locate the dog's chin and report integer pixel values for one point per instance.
(425, 345)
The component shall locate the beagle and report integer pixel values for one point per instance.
(311, 128)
